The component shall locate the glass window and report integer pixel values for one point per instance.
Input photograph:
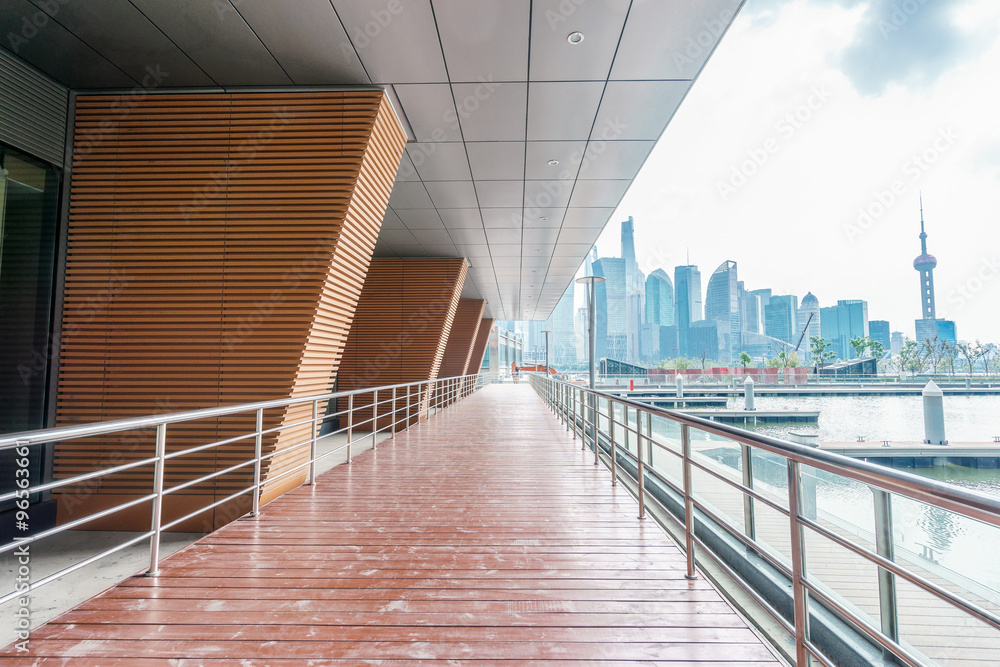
(28, 231)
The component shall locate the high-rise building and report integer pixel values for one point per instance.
(669, 346)
(842, 323)
(562, 340)
(609, 296)
(879, 330)
(750, 311)
(706, 339)
(687, 302)
(896, 342)
(808, 306)
(722, 303)
(781, 318)
(635, 290)
(659, 298)
(928, 327)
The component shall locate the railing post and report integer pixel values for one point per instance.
(350, 424)
(886, 580)
(688, 502)
(161, 462)
(312, 444)
(408, 405)
(614, 445)
(394, 411)
(258, 442)
(375, 421)
(749, 523)
(638, 454)
(798, 562)
(649, 438)
(594, 411)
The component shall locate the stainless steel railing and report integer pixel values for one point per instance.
(399, 404)
(604, 420)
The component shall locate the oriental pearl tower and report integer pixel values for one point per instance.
(925, 264)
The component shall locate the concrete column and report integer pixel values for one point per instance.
(934, 415)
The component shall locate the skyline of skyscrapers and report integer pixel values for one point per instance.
(645, 319)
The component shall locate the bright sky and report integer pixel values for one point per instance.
(841, 102)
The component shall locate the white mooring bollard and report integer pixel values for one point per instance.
(933, 415)
(748, 393)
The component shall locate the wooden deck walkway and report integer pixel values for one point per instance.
(482, 536)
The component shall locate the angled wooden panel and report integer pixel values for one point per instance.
(462, 337)
(401, 328)
(217, 247)
(479, 347)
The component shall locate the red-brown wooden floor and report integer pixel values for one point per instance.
(484, 535)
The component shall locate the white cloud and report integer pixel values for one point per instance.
(788, 222)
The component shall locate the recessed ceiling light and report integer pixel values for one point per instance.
(538, 249)
(553, 163)
(574, 37)
(542, 218)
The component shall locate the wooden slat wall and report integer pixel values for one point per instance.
(479, 347)
(462, 337)
(401, 328)
(217, 248)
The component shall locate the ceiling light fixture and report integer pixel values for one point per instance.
(542, 218)
(553, 163)
(574, 37)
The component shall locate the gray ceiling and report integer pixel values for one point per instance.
(488, 91)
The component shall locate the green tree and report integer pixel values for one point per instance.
(911, 358)
(860, 344)
(819, 347)
(876, 348)
(745, 360)
(971, 352)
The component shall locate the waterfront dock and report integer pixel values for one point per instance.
(757, 416)
(919, 454)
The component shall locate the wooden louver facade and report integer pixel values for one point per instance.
(462, 337)
(401, 328)
(218, 244)
(479, 346)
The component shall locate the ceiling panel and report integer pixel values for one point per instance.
(543, 217)
(655, 44)
(309, 43)
(215, 36)
(587, 217)
(599, 193)
(614, 159)
(440, 162)
(566, 154)
(430, 112)
(498, 194)
(498, 235)
(533, 236)
(468, 236)
(407, 172)
(547, 194)
(496, 160)
(461, 218)
(126, 38)
(553, 58)
(502, 217)
(60, 53)
(486, 40)
(409, 194)
(397, 41)
(491, 111)
(420, 218)
(452, 194)
(647, 106)
(432, 237)
(578, 235)
(563, 110)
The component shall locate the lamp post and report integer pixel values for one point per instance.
(591, 318)
(546, 332)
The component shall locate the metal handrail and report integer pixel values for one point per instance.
(584, 410)
(428, 395)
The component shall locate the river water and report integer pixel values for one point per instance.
(956, 543)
